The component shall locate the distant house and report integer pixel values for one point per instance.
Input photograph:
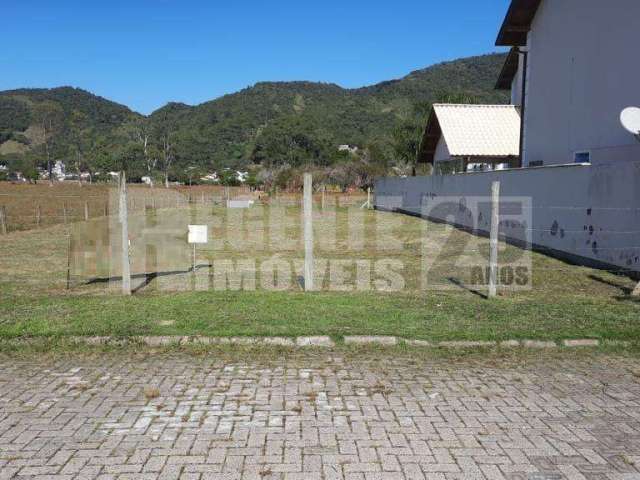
(16, 177)
(471, 137)
(242, 176)
(58, 170)
(210, 177)
(353, 149)
(237, 175)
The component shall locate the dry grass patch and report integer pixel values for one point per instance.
(151, 392)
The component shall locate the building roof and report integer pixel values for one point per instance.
(509, 70)
(517, 23)
(490, 131)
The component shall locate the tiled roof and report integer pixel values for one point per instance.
(480, 130)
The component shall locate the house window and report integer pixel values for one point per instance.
(582, 157)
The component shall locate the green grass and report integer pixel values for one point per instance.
(261, 313)
(564, 301)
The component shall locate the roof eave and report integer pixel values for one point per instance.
(512, 38)
(509, 70)
(430, 139)
(517, 23)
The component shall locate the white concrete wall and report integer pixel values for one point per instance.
(585, 211)
(584, 70)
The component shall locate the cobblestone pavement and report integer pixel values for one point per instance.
(318, 416)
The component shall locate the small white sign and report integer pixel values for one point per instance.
(197, 234)
(240, 203)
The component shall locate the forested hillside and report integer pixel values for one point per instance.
(271, 124)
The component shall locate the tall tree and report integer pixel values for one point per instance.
(164, 132)
(406, 142)
(49, 117)
(100, 158)
(130, 158)
(142, 135)
(80, 136)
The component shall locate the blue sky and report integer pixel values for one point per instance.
(144, 53)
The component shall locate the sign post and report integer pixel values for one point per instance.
(197, 234)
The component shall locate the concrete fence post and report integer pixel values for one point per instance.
(324, 189)
(68, 261)
(123, 217)
(3, 220)
(495, 226)
(308, 232)
(38, 215)
(86, 211)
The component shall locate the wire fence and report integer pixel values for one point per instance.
(28, 208)
(263, 247)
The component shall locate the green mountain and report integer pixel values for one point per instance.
(26, 113)
(271, 123)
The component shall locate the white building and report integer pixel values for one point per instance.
(58, 170)
(242, 176)
(579, 62)
(211, 177)
(215, 178)
(572, 70)
(352, 149)
(471, 137)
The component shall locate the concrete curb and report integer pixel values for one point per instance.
(538, 344)
(370, 340)
(581, 343)
(319, 341)
(466, 344)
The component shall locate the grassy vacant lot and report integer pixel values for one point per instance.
(563, 301)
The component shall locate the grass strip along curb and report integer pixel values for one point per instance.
(316, 341)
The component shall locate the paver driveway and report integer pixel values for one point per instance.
(318, 416)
